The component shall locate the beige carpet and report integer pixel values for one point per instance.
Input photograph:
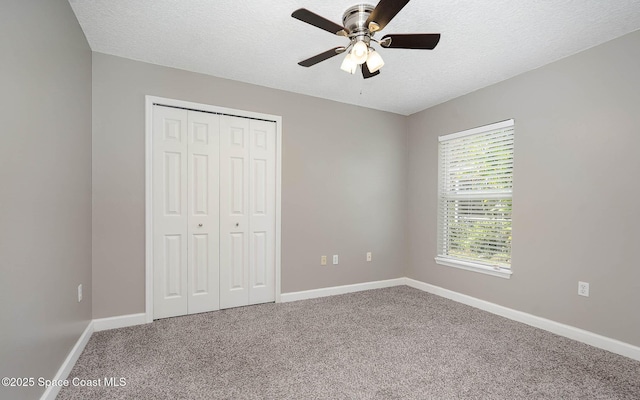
(395, 343)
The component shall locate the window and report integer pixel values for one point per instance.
(475, 197)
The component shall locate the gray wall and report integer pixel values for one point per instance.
(343, 184)
(575, 209)
(45, 188)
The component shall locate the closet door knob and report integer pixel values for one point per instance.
(200, 225)
(237, 224)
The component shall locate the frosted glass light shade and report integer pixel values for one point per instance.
(360, 52)
(374, 61)
(348, 64)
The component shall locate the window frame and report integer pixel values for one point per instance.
(451, 261)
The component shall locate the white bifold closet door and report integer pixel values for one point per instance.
(247, 211)
(213, 211)
(185, 212)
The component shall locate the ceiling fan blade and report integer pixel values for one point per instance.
(425, 41)
(384, 13)
(307, 16)
(322, 56)
(366, 74)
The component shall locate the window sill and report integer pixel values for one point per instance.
(471, 266)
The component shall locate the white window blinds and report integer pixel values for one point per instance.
(475, 198)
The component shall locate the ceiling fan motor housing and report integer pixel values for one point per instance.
(355, 21)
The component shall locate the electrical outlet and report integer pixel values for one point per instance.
(369, 257)
(79, 293)
(323, 260)
(583, 289)
(335, 259)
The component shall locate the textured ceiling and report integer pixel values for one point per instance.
(483, 42)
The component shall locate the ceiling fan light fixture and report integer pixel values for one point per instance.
(348, 64)
(360, 52)
(374, 61)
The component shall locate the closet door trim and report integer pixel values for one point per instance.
(150, 101)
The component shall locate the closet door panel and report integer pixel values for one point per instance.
(169, 212)
(262, 141)
(203, 209)
(234, 215)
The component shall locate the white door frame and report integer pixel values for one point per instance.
(149, 103)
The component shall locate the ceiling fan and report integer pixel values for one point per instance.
(359, 24)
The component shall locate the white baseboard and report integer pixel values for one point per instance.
(335, 290)
(590, 338)
(121, 321)
(52, 391)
